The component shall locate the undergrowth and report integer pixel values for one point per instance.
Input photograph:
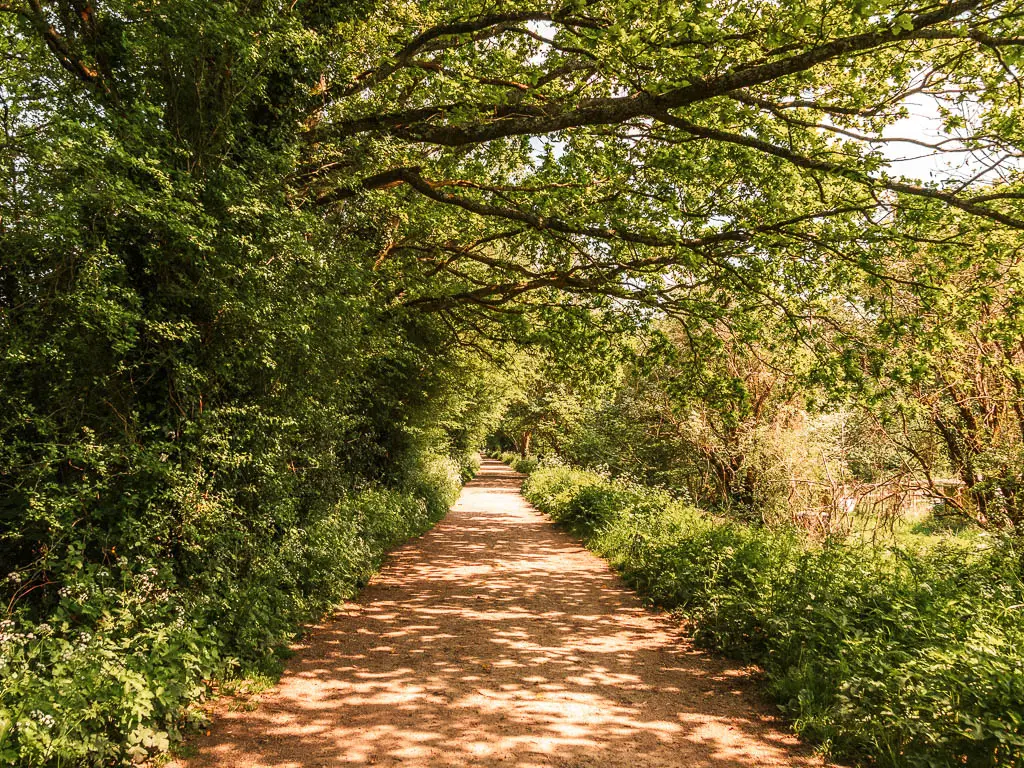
(523, 464)
(884, 656)
(107, 678)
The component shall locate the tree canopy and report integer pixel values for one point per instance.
(613, 148)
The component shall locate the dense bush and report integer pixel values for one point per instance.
(213, 417)
(886, 657)
(106, 678)
(523, 464)
(469, 465)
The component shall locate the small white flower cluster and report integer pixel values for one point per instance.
(179, 617)
(43, 719)
(8, 635)
(147, 584)
(79, 593)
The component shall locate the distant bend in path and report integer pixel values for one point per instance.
(496, 640)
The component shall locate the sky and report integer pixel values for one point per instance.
(915, 162)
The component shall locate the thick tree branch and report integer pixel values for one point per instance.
(412, 177)
(381, 180)
(433, 190)
(483, 26)
(517, 120)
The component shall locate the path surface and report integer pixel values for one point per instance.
(496, 640)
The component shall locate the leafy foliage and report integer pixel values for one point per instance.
(211, 427)
(261, 263)
(893, 658)
(941, 360)
(108, 673)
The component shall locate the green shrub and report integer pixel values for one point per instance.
(525, 465)
(107, 675)
(107, 678)
(886, 657)
(437, 480)
(469, 465)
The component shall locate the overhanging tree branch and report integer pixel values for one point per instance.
(516, 120)
(967, 205)
(480, 27)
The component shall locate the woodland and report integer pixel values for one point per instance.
(272, 272)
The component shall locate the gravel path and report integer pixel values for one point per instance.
(496, 640)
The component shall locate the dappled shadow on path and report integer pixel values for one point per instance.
(496, 639)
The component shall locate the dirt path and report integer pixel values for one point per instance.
(496, 640)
